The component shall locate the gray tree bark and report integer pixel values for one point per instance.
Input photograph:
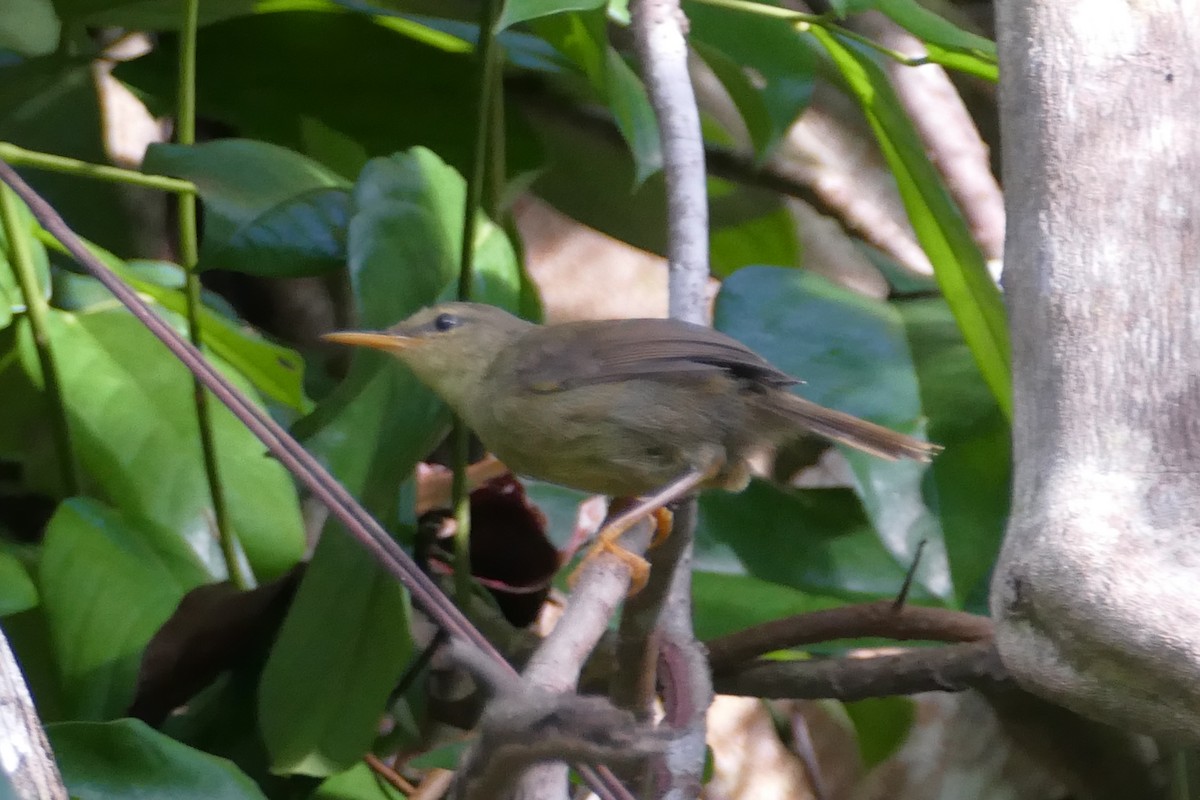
(1097, 592)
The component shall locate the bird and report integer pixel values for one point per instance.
(655, 409)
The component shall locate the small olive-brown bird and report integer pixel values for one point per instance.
(655, 408)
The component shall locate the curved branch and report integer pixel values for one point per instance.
(881, 618)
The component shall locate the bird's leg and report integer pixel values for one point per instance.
(608, 539)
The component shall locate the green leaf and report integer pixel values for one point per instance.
(853, 353)
(108, 583)
(29, 27)
(943, 36)
(129, 760)
(972, 475)
(882, 725)
(357, 783)
(267, 210)
(319, 706)
(404, 244)
(293, 77)
(770, 53)
(129, 402)
(17, 592)
(753, 226)
(745, 95)
(275, 370)
(516, 11)
(816, 541)
(727, 603)
(958, 264)
(583, 38)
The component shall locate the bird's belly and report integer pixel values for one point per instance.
(595, 440)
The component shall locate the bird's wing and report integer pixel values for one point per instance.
(568, 355)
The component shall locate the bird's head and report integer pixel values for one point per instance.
(449, 346)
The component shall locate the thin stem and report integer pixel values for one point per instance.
(185, 134)
(21, 259)
(20, 157)
(484, 115)
(895, 55)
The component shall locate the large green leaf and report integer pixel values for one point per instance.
(267, 210)
(947, 43)
(725, 603)
(128, 760)
(815, 541)
(972, 474)
(957, 262)
(853, 353)
(516, 11)
(298, 78)
(108, 583)
(274, 370)
(133, 425)
(583, 39)
(780, 59)
(403, 250)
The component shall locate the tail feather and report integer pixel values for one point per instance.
(850, 430)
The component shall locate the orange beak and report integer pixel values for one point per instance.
(390, 342)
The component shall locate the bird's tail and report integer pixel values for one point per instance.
(850, 430)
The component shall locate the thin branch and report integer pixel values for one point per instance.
(21, 259)
(555, 666)
(189, 255)
(953, 668)
(880, 618)
(659, 31)
(360, 524)
(20, 157)
(488, 87)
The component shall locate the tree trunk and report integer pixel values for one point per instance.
(1097, 592)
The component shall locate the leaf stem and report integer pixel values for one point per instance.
(485, 115)
(185, 134)
(36, 308)
(20, 157)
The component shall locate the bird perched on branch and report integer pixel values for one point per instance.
(650, 408)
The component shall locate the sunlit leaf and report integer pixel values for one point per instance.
(107, 583)
(129, 759)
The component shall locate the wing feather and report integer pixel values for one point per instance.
(570, 355)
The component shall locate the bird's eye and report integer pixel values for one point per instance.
(445, 322)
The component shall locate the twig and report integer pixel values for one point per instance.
(20, 157)
(488, 86)
(880, 618)
(360, 524)
(393, 778)
(556, 665)
(659, 32)
(953, 668)
(526, 724)
(189, 255)
(21, 260)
